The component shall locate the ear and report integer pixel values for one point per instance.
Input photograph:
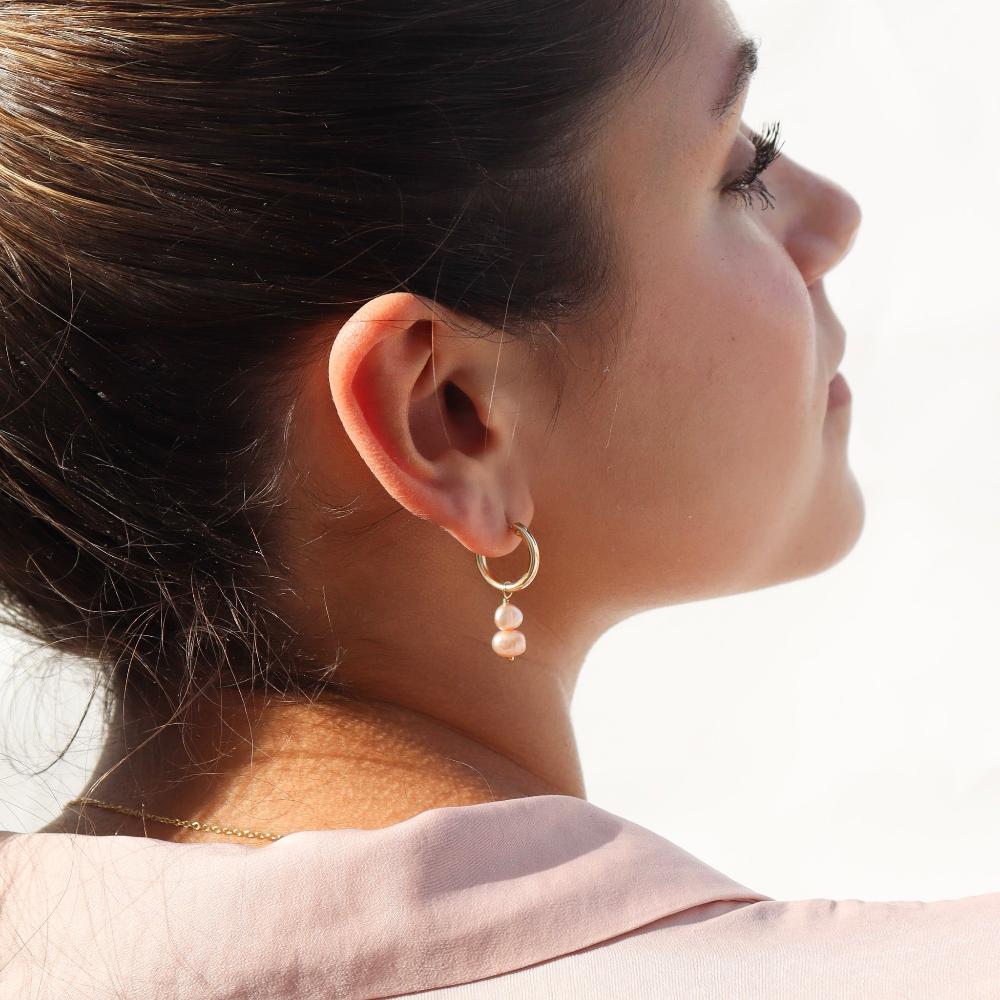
(428, 413)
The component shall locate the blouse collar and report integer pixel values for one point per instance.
(448, 896)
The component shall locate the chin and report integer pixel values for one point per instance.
(838, 532)
(854, 521)
(819, 544)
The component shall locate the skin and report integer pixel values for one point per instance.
(703, 462)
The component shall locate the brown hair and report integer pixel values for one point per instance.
(184, 190)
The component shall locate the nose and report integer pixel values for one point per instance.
(822, 226)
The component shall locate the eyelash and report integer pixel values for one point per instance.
(749, 182)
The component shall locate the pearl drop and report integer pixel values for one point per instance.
(508, 642)
(508, 616)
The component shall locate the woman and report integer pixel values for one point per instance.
(287, 289)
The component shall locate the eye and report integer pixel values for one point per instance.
(766, 144)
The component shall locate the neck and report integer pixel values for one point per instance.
(255, 761)
(432, 716)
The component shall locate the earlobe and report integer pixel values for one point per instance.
(396, 390)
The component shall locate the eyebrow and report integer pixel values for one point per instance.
(744, 63)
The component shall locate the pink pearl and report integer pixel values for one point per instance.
(508, 616)
(508, 642)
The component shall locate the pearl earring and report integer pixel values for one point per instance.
(508, 642)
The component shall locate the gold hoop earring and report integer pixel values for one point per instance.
(508, 642)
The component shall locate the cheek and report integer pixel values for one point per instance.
(754, 373)
(723, 401)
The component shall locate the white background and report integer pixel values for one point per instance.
(834, 737)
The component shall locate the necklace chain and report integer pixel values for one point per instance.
(192, 824)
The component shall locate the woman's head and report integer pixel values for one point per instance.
(704, 455)
(272, 274)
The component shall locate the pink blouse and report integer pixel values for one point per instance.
(547, 896)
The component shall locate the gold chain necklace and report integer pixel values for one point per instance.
(192, 824)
